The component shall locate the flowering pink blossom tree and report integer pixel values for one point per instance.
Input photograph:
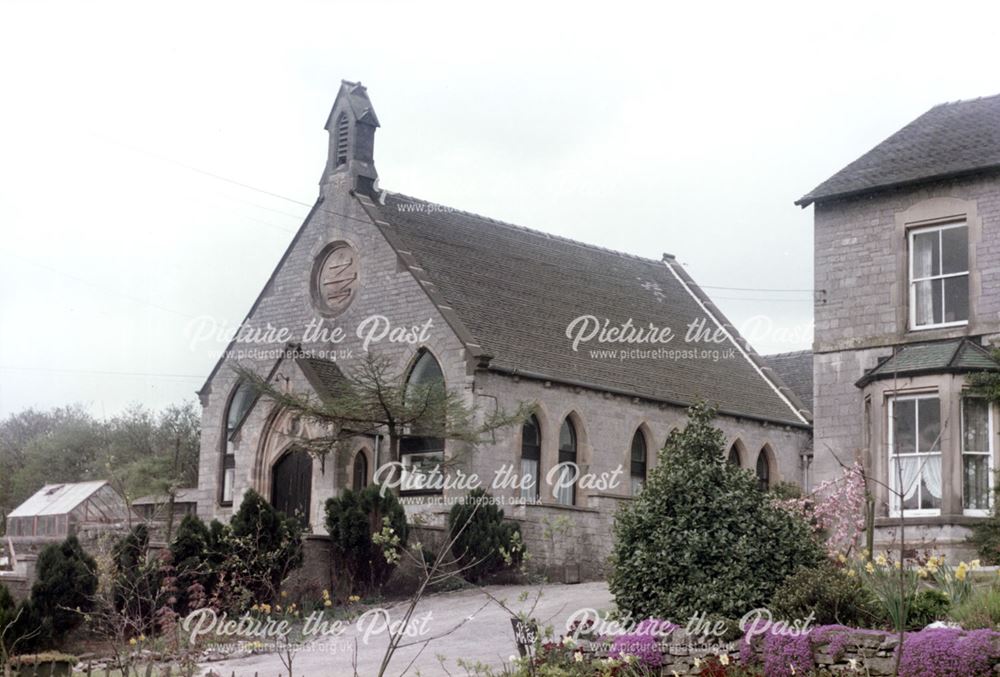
(835, 509)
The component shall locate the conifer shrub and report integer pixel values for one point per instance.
(195, 560)
(262, 547)
(484, 543)
(357, 521)
(137, 579)
(64, 589)
(20, 627)
(702, 537)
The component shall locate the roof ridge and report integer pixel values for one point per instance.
(804, 351)
(970, 100)
(533, 231)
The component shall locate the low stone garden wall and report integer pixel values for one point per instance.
(933, 652)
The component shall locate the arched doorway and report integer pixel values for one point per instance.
(291, 484)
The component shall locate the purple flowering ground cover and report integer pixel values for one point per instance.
(944, 652)
(935, 652)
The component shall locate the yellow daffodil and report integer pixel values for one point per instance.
(841, 557)
(974, 564)
(869, 568)
(881, 560)
(578, 657)
(327, 603)
(724, 659)
(132, 642)
(851, 573)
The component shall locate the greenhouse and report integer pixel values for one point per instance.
(58, 510)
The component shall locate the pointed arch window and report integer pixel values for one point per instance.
(531, 457)
(360, 479)
(343, 127)
(236, 411)
(566, 494)
(638, 460)
(421, 453)
(763, 470)
(734, 456)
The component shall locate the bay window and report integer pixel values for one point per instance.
(915, 454)
(939, 276)
(977, 455)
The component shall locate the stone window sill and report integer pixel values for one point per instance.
(930, 520)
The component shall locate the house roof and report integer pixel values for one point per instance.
(938, 357)
(510, 293)
(949, 140)
(796, 370)
(57, 499)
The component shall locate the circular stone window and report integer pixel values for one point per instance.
(335, 278)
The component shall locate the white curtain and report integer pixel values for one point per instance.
(910, 467)
(932, 475)
(924, 291)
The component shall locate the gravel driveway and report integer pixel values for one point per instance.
(486, 637)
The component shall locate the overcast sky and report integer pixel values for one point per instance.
(688, 131)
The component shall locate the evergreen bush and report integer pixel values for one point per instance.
(262, 547)
(137, 579)
(191, 553)
(702, 537)
(828, 593)
(484, 543)
(64, 589)
(353, 519)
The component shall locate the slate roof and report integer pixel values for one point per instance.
(510, 293)
(796, 371)
(324, 375)
(939, 357)
(949, 140)
(361, 105)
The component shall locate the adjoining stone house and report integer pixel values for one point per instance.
(907, 268)
(494, 310)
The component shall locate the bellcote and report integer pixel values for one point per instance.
(351, 125)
